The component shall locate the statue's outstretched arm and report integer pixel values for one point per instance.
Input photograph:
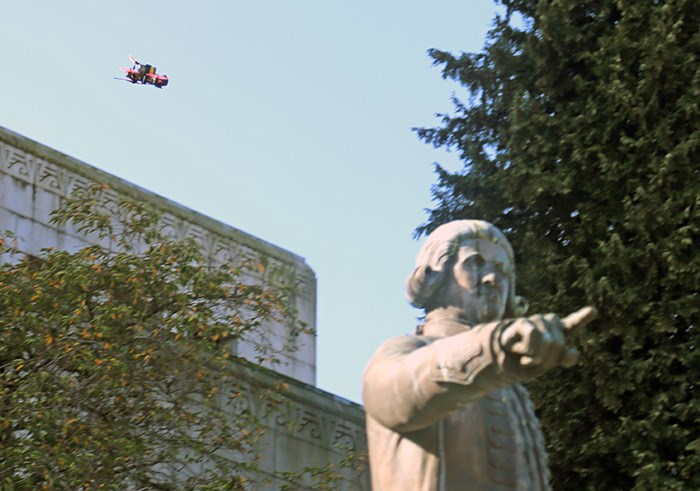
(412, 382)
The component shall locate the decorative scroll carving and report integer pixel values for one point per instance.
(239, 399)
(22, 165)
(223, 251)
(75, 183)
(203, 237)
(345, 436)
(110, 201)
(311, 424)
(170, 226)
(286, 416)
(55, 179)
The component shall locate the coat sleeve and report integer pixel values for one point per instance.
(412, 382)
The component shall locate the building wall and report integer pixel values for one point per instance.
(34, 178)
(314, 428)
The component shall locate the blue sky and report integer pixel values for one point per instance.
(288, 120)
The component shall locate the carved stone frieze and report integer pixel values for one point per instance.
(54, 178)
(21, 165)
(318, 427)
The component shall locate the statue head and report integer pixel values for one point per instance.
(428, 287)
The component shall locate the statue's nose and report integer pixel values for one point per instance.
(489, 279)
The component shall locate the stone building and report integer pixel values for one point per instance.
(316, 428)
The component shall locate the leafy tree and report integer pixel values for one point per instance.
(113, 364)
(580, 138)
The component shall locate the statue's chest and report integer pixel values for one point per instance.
(493, 443)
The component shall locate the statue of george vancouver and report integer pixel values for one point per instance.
(445, 409)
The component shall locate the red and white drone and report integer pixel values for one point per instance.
(140, 73)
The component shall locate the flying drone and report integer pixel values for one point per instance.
(144, 74)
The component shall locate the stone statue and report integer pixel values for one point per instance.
(445, 409)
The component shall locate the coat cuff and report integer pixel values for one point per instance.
(468, 361)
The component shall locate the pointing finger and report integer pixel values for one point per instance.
(579, 319)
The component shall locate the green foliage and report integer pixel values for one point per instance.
(113, 360)
(581, 140)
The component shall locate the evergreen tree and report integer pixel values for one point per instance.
(580, 138)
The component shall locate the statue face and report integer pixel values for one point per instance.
(480, 281)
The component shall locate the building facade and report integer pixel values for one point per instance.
(315, 428)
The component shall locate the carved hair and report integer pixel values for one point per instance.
(436, 255)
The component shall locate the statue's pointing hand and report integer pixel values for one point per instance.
(540, 342)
